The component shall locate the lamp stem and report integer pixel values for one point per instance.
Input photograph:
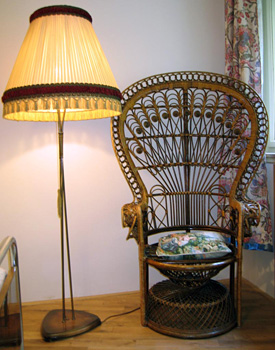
(62, 213)
(62, 323)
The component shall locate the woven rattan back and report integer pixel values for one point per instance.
(178, 136)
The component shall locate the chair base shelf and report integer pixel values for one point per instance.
(204, 313)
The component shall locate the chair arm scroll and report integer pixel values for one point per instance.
(251, 212)
(129, 215)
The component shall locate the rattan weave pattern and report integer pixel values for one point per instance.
(206, 312)
(197, 79)
(190, 280)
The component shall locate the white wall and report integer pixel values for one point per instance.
(258, 266)
(140, 38)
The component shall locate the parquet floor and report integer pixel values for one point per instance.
(126, 333)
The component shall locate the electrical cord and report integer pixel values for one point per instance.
(122, 314)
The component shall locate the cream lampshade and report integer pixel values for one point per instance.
(61, 66)
(62, 74)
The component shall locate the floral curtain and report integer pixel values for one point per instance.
(243, 61)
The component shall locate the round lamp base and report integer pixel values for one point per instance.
(54, 328)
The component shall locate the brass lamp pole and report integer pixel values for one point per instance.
(62, 213)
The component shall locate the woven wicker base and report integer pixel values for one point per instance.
(205, 313)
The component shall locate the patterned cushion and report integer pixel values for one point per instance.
(193, 245)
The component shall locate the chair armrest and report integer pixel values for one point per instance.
(251, 212)
(129, 214)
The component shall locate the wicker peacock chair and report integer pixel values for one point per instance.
(178, 136)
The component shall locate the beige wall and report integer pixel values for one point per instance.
(258, 266)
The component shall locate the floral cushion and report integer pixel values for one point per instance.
(193, 245)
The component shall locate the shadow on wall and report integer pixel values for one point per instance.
(23, 137)
(260, 273)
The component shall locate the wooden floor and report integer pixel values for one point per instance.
(126, 333)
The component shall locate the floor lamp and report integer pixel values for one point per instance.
(62, 74)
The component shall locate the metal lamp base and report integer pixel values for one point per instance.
(54, 328)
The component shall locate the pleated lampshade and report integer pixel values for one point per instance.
(61, 66)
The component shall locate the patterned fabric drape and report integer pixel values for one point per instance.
(243, 61)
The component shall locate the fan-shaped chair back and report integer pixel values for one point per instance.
(179, 136)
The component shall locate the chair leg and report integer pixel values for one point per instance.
(143, 291)
(238, 293)
(232, 282)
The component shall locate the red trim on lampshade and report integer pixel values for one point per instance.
(60, 10)
(56, 89)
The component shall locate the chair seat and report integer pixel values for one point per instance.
(189, 274)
